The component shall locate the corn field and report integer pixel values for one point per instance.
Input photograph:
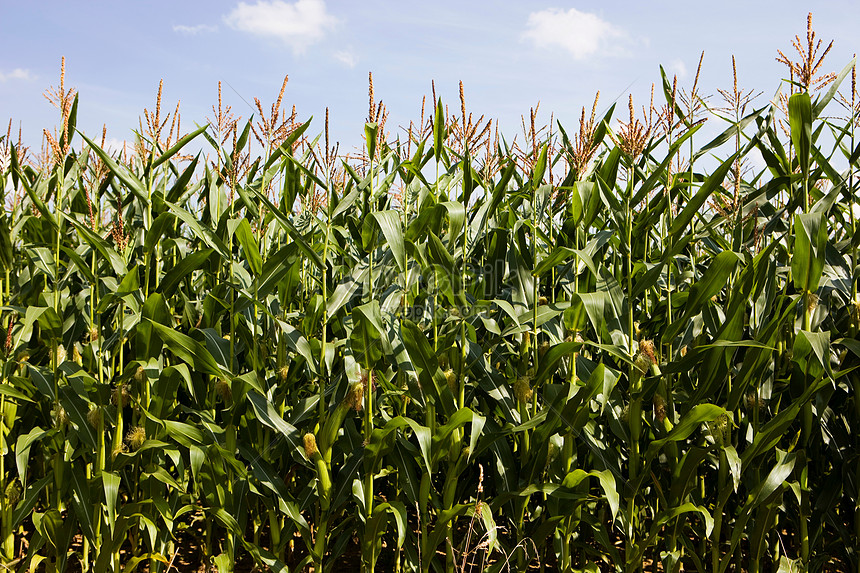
(618, 348)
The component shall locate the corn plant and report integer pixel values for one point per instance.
(614, 348)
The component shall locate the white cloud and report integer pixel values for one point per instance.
(194, 30)
(581, 33)
(346, 57)
(677, 68)
(16, 74)
(297, 24)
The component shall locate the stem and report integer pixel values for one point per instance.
(324, 334)
(635, 377)
(369, 549)
(722, 472)
(806, 421)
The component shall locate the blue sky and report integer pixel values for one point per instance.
(510, 55)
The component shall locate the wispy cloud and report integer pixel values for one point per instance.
(16, 74)
(194, 30)
(583, 34)
(298, 24)
(678, 68)
(346, 57)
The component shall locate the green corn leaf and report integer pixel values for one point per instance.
(558, 256)
(249, 246)
(550, 360)
(13, 392)
(800, 120)
(370, 136)
(286, 147)
(425, 444)
(77, 408)
(155, 232)
(665, 517)
(299, 344)
(366, 339)
(203, 233)
(71, 124)
(129, 179)
(832, 89)
(22, 451)
(99, 244)
(456, 212)
(268, 476)
(43, 380)
(187, 349)
(78, 265)
(6, 254)
(82, 503)
(499, 191)
(694, 205)
(807, 259)
(407, 470)
(729, 133)
(735, 465)
(610, 490)
(715, 279)
(381, 442)
(268, 416)
(439, 531)
(44, 261)
(770, 433)
(430, 376)
(300, 240)
(183, 141)
(687, 469)
(217, 346)
(539, 168)
(398, 511)
(183, 185)
(389, 223)
(439, 131)
(110, 482)
(691, 421)
(186, 434)
(182, 269)
(816, 344)
(30, 499)
(154, 310)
